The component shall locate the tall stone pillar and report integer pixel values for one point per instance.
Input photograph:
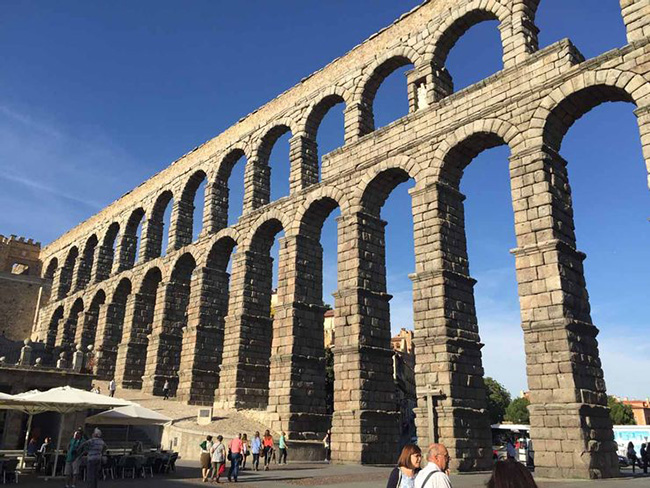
(103, 263)
(86, 328)
(297, 377)
(203, 338)
(215, 216)
(132, 349)
(244, 377)
(636, 16)
(109, 335)
(66, 333)
(446, 339)
(164, 348)
(257, 185)
(359, 121)
(569, 419)
(151, 239)
(519, 35)
(303, 158)
(82, 272)
(365, 421)
(125, 251)
(180, 232)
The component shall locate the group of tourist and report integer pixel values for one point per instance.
(215, 454)
(409, 474)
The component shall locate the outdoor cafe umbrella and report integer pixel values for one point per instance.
(63, 399)
(133, 414)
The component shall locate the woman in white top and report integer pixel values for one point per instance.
(218, 453)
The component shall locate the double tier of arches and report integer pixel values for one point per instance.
(182, 318)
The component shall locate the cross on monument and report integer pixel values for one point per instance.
(430, 394)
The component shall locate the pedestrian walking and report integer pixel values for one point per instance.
(234, 450)
(112, 386)
(166, 390)
(436, 472)
(256, 448)
(510, 473)
(72, 460)
(282, 445)
(218, 456)
(205, 457)
(245, 451)
(408, 466)
(631, 455)
(511, 450)
(267, 445)
(327, 442)
(95, 447)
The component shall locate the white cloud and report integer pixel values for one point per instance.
(57, 176)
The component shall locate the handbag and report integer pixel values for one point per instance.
(229, 457)
(222, 469)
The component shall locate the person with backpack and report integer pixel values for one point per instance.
(408, 465)
(436, 473)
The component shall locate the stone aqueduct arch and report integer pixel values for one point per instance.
(182, 317)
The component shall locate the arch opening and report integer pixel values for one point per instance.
(325, 128)
(67, 273)
(386, 92)
(111, 335)
(86, 262)
(387, 200)
(53, 327)
(89, 331)
(275, 157)
(608, 186)
(316, 280)
(157, 239)
(228, 199)
(476, 37)
(189, 219)
(132, 356)
(106, 256)
(129, 241)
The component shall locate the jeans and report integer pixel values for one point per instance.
(256, 460)
(283, 455)
(92, 472)
(234, 465)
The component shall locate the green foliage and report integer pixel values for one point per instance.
(517, 411)
(620, 413)
(498, 399)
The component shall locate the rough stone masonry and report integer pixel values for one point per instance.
(182, 317)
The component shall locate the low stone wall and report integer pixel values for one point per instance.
(186, 443)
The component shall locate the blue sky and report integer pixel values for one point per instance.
(95, 97)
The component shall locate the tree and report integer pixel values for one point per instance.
(620, 413)
(498, 399)
(517, 411)
(329, 380)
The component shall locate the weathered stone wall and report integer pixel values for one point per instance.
(21, 286)
(205, 332)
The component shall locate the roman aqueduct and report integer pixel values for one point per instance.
(184, 318)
